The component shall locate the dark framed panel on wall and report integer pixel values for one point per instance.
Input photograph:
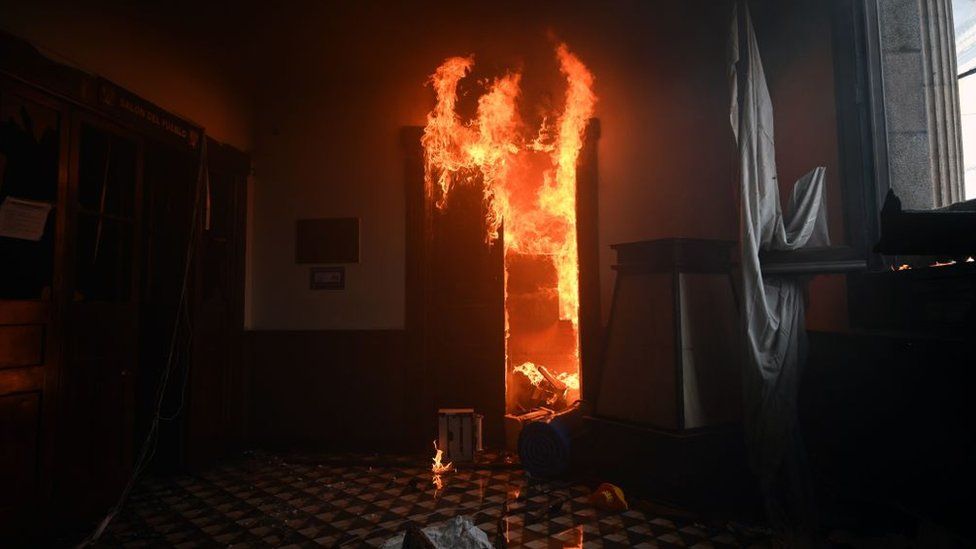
(327, 240)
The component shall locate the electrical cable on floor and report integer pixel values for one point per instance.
(148, 448)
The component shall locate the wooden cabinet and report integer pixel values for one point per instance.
(34, 137)
(88, 311)
(671, 360)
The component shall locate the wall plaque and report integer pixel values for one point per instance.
(327, 278)
(129, 106)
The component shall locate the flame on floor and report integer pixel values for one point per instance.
(438, 468)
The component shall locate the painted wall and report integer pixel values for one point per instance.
(328, 140)
(345, 79)
(319, 93)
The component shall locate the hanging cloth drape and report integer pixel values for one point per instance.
(772, 308)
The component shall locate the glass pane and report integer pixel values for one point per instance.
(121, 200)
(29, 147)
(167, 188)
(103, 259)
(964, 21)
(93, 167)
(967, 111)
(29, 156)
(106, 173)
(221, 208)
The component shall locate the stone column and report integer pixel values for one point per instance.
(921, 101)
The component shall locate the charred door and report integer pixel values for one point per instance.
(455, 281)
(465, 311)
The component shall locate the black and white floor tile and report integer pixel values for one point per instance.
(292, 501)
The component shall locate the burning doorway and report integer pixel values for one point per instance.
(508, 248)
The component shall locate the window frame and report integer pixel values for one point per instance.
(860, 121)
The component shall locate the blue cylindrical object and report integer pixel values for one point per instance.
(545, 447)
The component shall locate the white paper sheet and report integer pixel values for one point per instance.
(23, 219)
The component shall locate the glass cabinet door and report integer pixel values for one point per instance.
(105, 194)
(101, 329)
(29, 154)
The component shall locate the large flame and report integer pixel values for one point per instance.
(537, 209)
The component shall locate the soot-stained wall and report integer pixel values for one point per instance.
(344, 79)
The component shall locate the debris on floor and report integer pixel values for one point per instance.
(356, 500)
(457, 533)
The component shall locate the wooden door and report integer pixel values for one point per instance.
(169, 182)
(101, 323)
(217, 400)
(465, 362)
(33, 150)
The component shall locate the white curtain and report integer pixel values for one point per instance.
(772, 307)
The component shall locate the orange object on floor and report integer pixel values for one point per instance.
(609, 497)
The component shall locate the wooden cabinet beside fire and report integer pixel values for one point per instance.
(67, 298)
(87, 305)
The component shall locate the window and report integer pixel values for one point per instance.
(964, 21)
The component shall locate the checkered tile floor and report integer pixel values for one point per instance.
(331, 501)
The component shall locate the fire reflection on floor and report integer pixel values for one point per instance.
(355, 501)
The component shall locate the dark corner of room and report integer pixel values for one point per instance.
(432, 274)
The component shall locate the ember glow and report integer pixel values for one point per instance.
(531, 371)
(529, 184)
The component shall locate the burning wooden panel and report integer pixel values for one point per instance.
(528, 183)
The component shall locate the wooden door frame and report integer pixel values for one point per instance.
(419, 211)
